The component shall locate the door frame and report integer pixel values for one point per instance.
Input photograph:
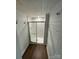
(36, 31)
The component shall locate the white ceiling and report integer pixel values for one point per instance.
(35, 7)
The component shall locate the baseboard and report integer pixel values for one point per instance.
(24, 50)
(48, 52)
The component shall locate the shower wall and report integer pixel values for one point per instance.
(54, 46)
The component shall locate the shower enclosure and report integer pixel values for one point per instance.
(36, 29)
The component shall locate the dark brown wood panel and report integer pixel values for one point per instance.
(35, 51)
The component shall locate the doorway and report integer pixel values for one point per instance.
(37, 31)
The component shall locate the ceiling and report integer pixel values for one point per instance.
(35, 7)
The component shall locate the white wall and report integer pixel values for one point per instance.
(22, 30)
(18, 51)
(54, 46)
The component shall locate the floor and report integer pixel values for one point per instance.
(35, 51)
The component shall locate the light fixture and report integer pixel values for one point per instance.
(38, 18)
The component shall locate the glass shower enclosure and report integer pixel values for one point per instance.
(37, 31)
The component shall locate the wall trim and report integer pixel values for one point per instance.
(24, 50)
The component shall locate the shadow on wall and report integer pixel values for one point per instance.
(22, 30)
